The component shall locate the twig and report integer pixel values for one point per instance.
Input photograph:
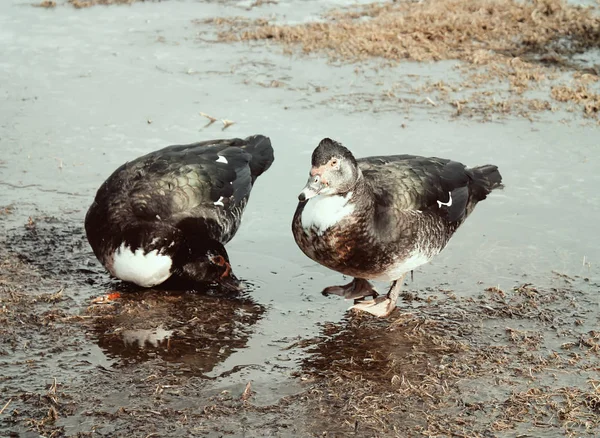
(227, 124)
(247, 392)
(5, 406)
(52, 389)
(210, 118)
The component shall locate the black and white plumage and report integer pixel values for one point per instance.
(171, 211)
(377, 218)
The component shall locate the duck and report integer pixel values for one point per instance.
(380, 217)
(168, 214)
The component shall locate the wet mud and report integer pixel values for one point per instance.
(519, 360)
(496, 337)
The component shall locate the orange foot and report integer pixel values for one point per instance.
(107, 298)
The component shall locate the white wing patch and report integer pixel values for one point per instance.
(219, 202)
(222, 159)
(447, 204)
(145, 270)
(322, 212)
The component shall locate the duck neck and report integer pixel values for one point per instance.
(361, 192)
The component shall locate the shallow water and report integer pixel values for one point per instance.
(85, 90)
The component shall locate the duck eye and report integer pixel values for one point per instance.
(218, 260)
(333, 162)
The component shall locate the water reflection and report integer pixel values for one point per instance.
(372, 349)
(195, 329)
(376, 373)
(141, 337)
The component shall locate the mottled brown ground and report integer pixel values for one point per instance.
(462, 369)
(498, 363)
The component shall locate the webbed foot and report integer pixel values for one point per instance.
(380, 306)
(357, 288)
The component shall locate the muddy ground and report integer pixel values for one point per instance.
(497, 337)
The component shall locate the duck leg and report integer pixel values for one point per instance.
(357, 288)
(381, 306)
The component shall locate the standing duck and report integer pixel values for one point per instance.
(378, 218)
(169, 213)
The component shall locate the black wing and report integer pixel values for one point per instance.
(180, 181)
(408, 182)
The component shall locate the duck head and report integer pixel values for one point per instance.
(207, 261)
(334, 171)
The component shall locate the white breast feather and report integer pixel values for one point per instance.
(416, 259)
(145, 270)
(323, 212)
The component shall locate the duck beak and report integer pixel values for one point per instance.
(226, 280)
(312, 188)
(229, 282)
(227, 272)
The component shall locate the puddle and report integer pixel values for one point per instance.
(196, 331)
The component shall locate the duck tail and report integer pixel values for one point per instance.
(261, 150)
(487, 177)
(484, 179)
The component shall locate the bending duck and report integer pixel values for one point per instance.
(169, 213)
(378, 218)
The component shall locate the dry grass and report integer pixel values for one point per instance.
(377, 377)
(436, 30)
(438, 376)
(579, 94)
(523, 44)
